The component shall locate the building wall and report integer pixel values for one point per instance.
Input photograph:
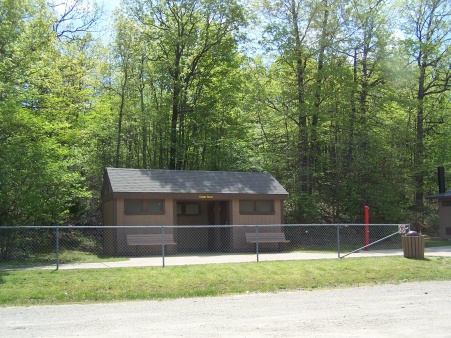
(445, 218)
(109, 239)
(109, 213)
(139, 220)
(238, 239)
(190, 239)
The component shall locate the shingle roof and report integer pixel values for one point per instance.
(199, 182)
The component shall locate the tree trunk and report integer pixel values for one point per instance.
(176, 92)
(303, 151)
(315, 149)
(144, 119)
(121, 116)
(419, 144)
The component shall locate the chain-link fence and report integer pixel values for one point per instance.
(117, 246)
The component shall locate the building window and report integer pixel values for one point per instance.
(256, 207)
(155, 206)
(188, 209)
(247, 206)
(133, 206)
(144, 207)
(446, 203)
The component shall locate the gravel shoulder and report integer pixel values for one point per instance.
(404, 310)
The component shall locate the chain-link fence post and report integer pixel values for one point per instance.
(162, 243)
(57, 247)
(338, 240)
(256, 241)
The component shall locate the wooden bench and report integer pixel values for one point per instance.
(266, 237)
(150, 239)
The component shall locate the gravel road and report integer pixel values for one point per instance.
(405, 310)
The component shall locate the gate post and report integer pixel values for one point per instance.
(366, 230)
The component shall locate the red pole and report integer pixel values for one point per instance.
(366, 220)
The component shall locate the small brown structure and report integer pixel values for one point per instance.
(444, 205)
(136, 197)
(444, 213)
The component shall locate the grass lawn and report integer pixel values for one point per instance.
(78, 256)
(31, 287)
(431, 243)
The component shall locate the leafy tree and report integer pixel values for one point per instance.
(427, 29)
(188, 40)
(37, 108)
(74, 18)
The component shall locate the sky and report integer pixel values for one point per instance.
(109, 5)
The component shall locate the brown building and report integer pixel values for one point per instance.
(444, 213)
(444, 205)
(136, 197)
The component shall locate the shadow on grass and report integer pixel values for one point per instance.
(425, 259)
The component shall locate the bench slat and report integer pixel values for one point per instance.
(150, 239)
(266, 237)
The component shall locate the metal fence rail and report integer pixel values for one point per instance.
(151, 245)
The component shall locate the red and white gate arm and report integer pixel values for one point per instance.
(403, 228)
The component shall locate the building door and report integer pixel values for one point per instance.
(218, 214)
(224, 230)
(224, 218)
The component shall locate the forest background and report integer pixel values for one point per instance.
(345, 102)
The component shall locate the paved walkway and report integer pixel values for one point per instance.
(213, 258)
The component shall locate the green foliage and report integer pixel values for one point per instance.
(178, 70)
(38, 184)
(328, 103)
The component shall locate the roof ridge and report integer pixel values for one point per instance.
(131, 180)
(191, 170)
